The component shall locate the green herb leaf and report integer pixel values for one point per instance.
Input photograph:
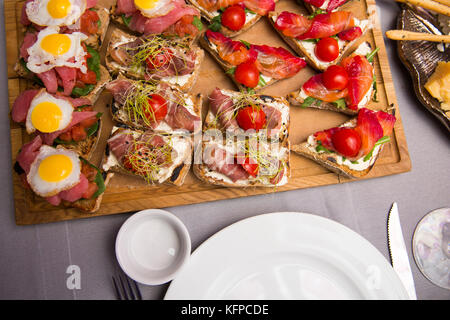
(251, 90)
(24, 65)
(99, 23)
(126, 20)
(59, 141)
(231, 70)
(308, 102)
(321, 148)
(216, 23)
(370, 56)
(311, 40)
(245, 43)
(341, 104)
(379, 142)
(315, 13)
(93, 63)
(261, 81)
(93, 129)
(79, 92)
(197, 23)
(98, 179)
(249, 11)
(355, 162)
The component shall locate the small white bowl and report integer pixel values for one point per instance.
(152, 246)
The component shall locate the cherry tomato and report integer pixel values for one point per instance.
(335, 78)
(157, 108)
(247, 73)
(234, 17)
(78, 133)
(327, 49)
(251, 117)
(89, 22)
(91, 189)
(160, 59)
(252, 167)
(347, 142)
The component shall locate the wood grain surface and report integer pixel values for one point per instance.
(128, 194)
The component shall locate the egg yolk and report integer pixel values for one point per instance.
(58, 9)
(55, 168)
(145, 4)
(46, 117)
(56, 44)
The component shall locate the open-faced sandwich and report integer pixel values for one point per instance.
(172, 17)
(233, 17)
(241, 113)
(346, 87)
(324, 5)
(250, 66)
(156, 158)
(157, 107)
(70, 15)
(62, 62)
(352, 148)
(58, 119)
(242, 163)
(323, 39)
(60, 176)
(155, 57)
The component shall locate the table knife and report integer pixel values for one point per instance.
(398, 253)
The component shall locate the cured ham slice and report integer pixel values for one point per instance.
(22, 104)
(321, 26)
(119, 143)
(68, 76)
(28, 40)
(315, 88)
(360, 79)
(28, 153)
(49, 79)
(217, 159)
(222, 107)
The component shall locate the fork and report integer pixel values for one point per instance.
(126, 289)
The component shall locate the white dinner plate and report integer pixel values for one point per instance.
(286, 255)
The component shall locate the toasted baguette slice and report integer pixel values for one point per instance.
(92, 96)
(175, 174)
(96, 40)
(279, 103)
(277, 152)
(211, 48)
(305, 48)
(335, 162)
(119, 37)
(192, 103)
(250, 19)
(297, 98)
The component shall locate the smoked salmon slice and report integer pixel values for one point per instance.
(315, 88)
(360, 79)
(261, 7)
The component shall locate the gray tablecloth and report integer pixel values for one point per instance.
(34, 259)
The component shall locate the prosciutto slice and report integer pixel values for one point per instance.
(22, 105)
(68, 76)
(29, 39)
(119, 143)
(222, 107)
(28, 153)
(49, 79)
(217, 159)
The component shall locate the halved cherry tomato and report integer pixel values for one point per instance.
(157, 108)
(160, 59)
(247, 73)
(252, 167)
(234, 17)
(89, 22)
(91, 189)
(78, 133)
(335, 78)
(327, 49)
(87, 123)
(251, 117)
(347, 142)
(65, 136)
(89, 172)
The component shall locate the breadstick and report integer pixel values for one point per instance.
(431, 5)
(409, 35)
(446, 2)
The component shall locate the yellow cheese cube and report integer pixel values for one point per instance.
(439, 84)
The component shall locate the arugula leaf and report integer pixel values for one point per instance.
(126, 19)
(249, 11)
(93, 63)
(321, 148)
(98, 179)
(251, 90)
(355, 162)
(59, 141)
(231, 70)
(79, 92)
(216, 23)
(379, 142)
(197, 23)
(93, 129)
(245, 43)
(261, 81)
(311, 40)
(315, 13)
(370, 56)
(24, 65)
(308, 102)
(99, 23)
(341, 104)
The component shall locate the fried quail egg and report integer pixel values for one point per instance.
(55, 12)
(54, 170)
(154, 8)
(48, 113)
(54, 49)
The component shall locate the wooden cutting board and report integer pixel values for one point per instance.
(128, 194)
